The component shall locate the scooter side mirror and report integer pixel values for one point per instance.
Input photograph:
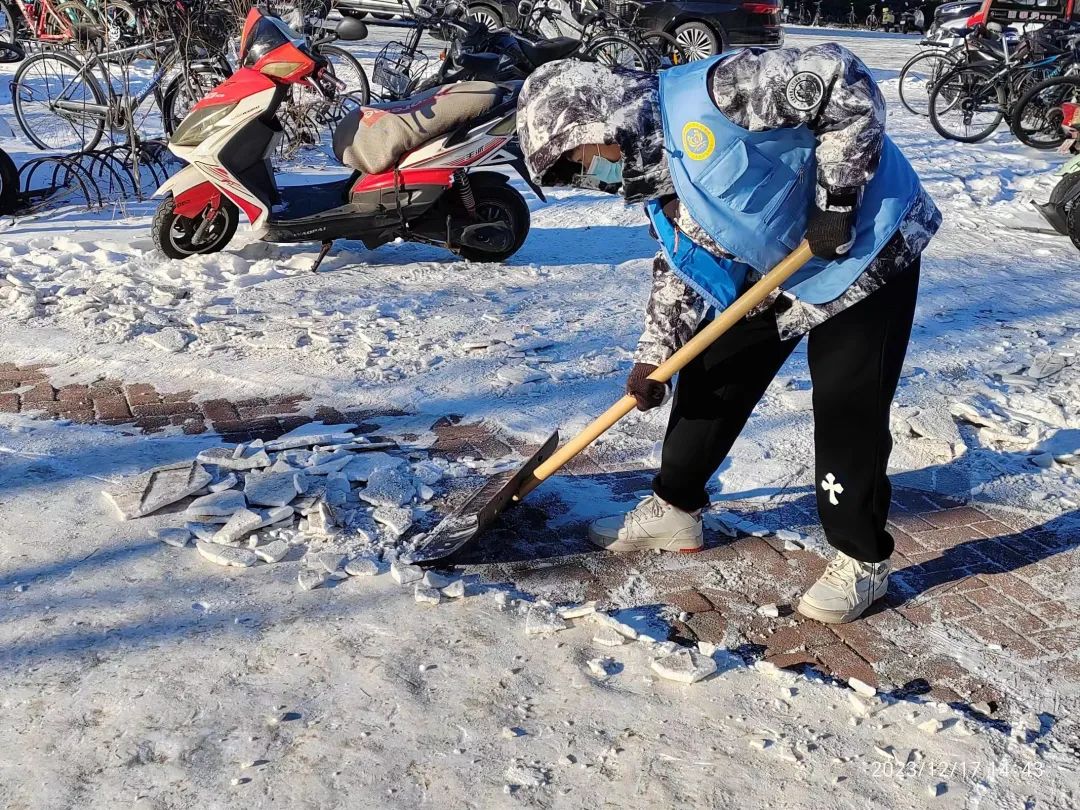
(351, 29)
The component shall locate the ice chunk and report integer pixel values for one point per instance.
(248, 458)
(519, 375)
(272, 552)
(361, 567)
(169, 339)
(433, 579)
(770, 610)
(246, 521)
(388, 487)
(338, 491)
(144, 494)
(178, 538)
(619, 627)
(405, 574)
(311, 434)
(202, 530)
(862, 688)
(685, 666)
(599, 666)
(607, 637)
(455, 590)
(322, 519)
(216, 504)
(227, 555)
(272, 489)
(312, 578)
(541, 619)
(425, 595)
(228, 482)
(396, 519)
(578, 611)
(931, 726)
(331, 561)
(360, 468)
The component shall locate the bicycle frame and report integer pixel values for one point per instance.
(100, 59)
(38, 21)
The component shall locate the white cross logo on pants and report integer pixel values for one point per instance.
(833, 487)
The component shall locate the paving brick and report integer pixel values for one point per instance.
(993, 528)
(79, 393)
(953, 606)
(905, 545)
(803, 634)
(1055, 614)
(992, 631)
(152, 424)
(164, 409)
(330, 416)
(710, 626)
(961, 516)
(9, 403)
(941, 539)
(261, 411)
(42, 392)
(10, 383)
(82, 416)
(219, 410)
(793, 660)
(111, 408)
(141, 394)
(840, 661)
(689, 601)
(1015, 588)
(180, 396)
(865, 641)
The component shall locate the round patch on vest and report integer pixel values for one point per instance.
(805, 91)
(698, 140)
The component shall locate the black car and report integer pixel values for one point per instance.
(702, 27)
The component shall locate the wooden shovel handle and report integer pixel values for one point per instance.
(738, 310)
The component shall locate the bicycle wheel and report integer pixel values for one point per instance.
(616, 52)
(71, 21)
(663, 51)
(59, 106)
(184, 91)
(9, 24)
(121, 23)
(347, 68)
(918, 77)
(967, 105)
(1038, 118)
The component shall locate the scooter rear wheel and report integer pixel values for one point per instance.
(179, 237)
(498, 202)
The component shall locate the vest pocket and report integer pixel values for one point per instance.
(744, 179)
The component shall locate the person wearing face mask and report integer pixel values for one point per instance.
(737, 159)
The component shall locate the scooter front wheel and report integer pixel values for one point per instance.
(179, 237)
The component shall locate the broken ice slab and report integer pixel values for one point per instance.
(520, 375)
(228, 482)
(396, 519)
(578, 611)
(216, 504)
(250, 458)
(425, 595)
(202, 529)
(433, 579)
(311, 578)
(272, 489)
(391, 486)
(227, 555)
(330, 561)
(322, 519)
(177, 538)
(685, 666)
(607, 637)
(405, 574)
(862, 688)
(311, 434)
(541, 619)
(361, 468)
(362, 567)
(144, 494)
(169, 339)
(333, 464)
(599, 666)
(336, 490)
(621, 628)
(246, 521)
(272, 552)
(455, 590)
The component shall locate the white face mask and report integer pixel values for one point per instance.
(603, 174)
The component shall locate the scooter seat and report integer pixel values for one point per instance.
(548, 50)
(372, 139)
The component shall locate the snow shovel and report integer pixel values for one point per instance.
(466, 523)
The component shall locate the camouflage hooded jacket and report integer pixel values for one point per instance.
(566, 104)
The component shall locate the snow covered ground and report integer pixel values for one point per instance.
(139, 675)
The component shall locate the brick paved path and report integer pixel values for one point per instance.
(978, 602)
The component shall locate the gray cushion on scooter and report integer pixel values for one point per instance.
(372, 139)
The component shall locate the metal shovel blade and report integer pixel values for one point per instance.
(465, 523)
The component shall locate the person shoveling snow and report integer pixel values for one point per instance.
(737, 159)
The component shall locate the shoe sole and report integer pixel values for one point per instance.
(677, 546)
(835, 616)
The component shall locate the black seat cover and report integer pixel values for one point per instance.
(548, 50)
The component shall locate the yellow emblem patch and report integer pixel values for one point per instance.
(698, 140)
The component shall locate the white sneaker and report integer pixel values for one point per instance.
(846, 589)
(654, 523)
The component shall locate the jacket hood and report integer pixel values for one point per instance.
(566, 104)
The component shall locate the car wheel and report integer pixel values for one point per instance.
(487, 15)
(697, 40)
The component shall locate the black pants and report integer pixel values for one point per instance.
(855, 360)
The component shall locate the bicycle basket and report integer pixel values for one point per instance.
(626, 10)
(396, 69)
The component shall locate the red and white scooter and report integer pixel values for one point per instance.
(432, 193)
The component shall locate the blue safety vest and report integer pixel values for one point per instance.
(752, 191)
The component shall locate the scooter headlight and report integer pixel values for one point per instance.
(197, 127)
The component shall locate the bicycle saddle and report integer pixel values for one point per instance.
(548, 50)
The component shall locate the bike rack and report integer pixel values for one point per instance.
(95, 178)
